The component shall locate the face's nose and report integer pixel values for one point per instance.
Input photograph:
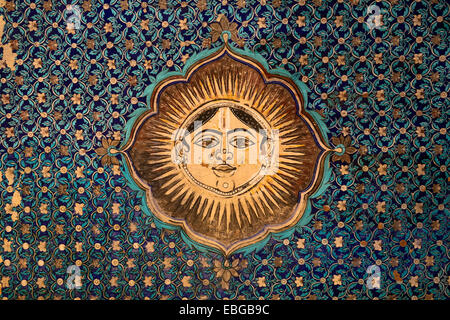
(223, 154)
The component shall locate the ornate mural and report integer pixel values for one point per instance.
(224, 149)
(224, 152)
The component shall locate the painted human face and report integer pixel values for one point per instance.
(224, 152)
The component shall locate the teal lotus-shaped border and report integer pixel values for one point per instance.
(307, 215)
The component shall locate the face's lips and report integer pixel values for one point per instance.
(225, 168)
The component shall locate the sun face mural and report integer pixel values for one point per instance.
(219, 148)
(226, 152)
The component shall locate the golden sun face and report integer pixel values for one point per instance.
(225, 152)
(222, 148)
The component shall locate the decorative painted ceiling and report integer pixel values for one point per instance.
(103, 104)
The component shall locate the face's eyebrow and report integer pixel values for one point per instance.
(207, 131)
(241, 129)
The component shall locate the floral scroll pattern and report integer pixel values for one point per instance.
(382, 94)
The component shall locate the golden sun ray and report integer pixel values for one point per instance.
(263, 200)
(245, 208)
(196, 197)
(167, 174)
(235, 206)
(213, 211)
(203, 202)
(162, 160)
(174, 187)
(176, 178)
(267, 195)
(186, 195)
(276, 194)
(205, 210)
(250, 201)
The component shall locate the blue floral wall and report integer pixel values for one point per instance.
(68, 91)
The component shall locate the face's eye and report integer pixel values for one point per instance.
(241, 142)
(207, 142)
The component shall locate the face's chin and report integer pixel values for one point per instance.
(225, 184)
(224, 174)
